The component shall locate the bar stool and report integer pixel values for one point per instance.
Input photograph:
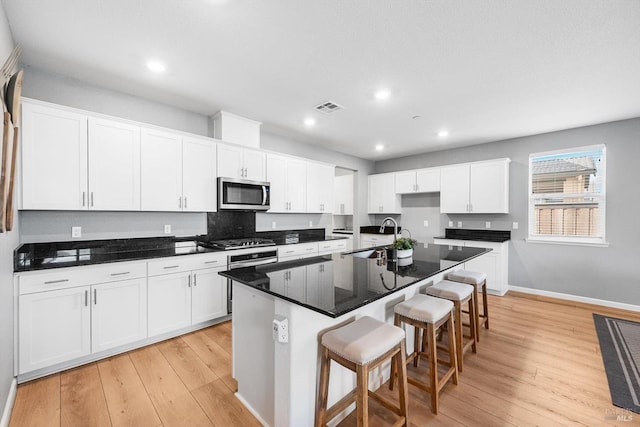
(361, 346)
(459, 294)
(427, 314)
(479, 281)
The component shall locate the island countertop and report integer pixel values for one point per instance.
(340, 283)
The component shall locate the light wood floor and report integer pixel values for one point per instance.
(538, 365)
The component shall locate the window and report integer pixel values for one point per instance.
(567, 196)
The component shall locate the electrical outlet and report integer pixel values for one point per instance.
(459, 224)
(450, 224)
(310, 223)
(273, 225)
(76, 232)
(167, 229)
(515, 225)
(487, 224)
(426, 223)
(280, 329)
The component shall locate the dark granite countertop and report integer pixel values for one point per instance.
(41, 256)
(352, 281)
(375, 229)
(497, 236)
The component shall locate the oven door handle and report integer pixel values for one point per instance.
(251, 263)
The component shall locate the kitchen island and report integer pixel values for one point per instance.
(277, 380)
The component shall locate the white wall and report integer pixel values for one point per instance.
(609, 273)
(8, 242)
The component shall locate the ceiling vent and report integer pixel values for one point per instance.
(328, 107)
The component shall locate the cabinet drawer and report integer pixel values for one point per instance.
(301, 249)
(331, 246)
(449, 242)
(214, 260)
(168, 265)
(117, 271)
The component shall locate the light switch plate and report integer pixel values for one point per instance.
(167, 229)
(273, 225)
(459, 224)
(426, 223)
(515, 225)
(487, 224)
(76, 232)
(450, 223)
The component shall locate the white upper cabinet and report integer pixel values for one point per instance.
(178, 173)
(114, 165)
(418, 181)
(54, 158)
(479, 187)
(288, 188)
(161, 171)
(382, 195)
(319, 187)
(343, 193)
(241, 163)
(198, 175)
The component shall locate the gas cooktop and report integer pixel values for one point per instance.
(237, 243)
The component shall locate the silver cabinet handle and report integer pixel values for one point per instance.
(51, 282)
(180, 202)
(86, 298)
(84, 197)
(170, 266)
(195, 282)
(121, 274)
(185, 202)
(92, 199)
(211, 262)
(470, 207)
(189, 281)
(95, 297)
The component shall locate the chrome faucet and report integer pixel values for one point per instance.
(395, 227)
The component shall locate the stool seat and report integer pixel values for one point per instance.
(468, 277)
(364, 340)
(424, 308)
(453, 291)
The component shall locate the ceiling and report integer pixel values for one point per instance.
(482, 70)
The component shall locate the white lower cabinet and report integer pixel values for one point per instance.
(118, 313)
(54, 327)
(184, 292)
(61, 317)
(372, 240)
(320, 287)
(495, 263)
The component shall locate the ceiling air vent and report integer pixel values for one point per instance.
(328, 107)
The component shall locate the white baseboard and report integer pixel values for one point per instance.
(6, 414)
(250, 409)
(576, 298)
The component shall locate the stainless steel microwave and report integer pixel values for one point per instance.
(243, 194)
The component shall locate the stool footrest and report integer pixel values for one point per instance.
(341, 405)
(385, 402)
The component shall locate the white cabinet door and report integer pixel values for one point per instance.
(297, 284)
(320, 287)
(427, 180)
(230, 162)
(277, 177)
(169, 302)
(454, 189)
(382, 194)
(405, 182)
(278, 281)
(489, 187)
(343, 193)
(208, 295)
(118, 313)
(198, 175)
(288, 184)
(297, 185)
(161, 171)
(487, 263)
(54, 159)
(53, 327)
(114, 165)
(320, 192)
(255, 165)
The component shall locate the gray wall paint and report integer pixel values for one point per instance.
(8, 242)
(607, 273)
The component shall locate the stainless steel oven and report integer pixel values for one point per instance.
(242, 194)
(247, 259)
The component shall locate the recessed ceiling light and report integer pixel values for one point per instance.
(382, 94)
(379, 147)
(443, 133)
(309, 121)
(156, 66)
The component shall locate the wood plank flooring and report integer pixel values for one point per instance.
(538, 365)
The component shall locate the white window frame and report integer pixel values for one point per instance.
(570, 240)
